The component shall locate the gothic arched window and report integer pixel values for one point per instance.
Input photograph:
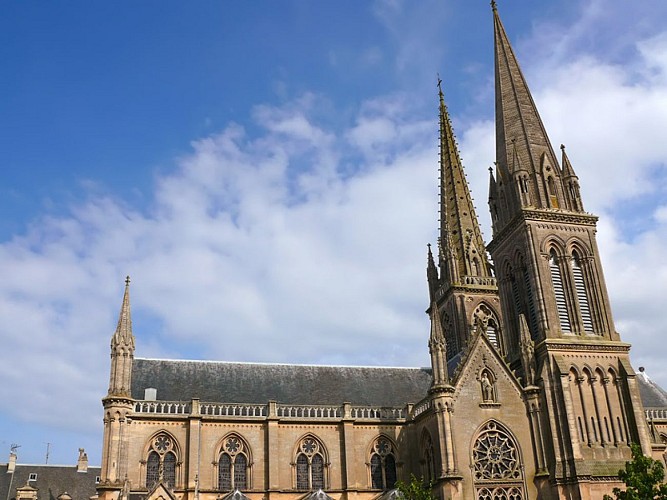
(428, 457)
(310, 465)
(485, 320)
(497, 465)
(161, 462)
(383, 465)
(152, 469)
(233, 464)
(559, 292)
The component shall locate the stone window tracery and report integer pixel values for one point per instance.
(233, 464)
(161, 462)
(383, 464)
(484, 319)
(310, 465)
(497, 469)
(428, 459)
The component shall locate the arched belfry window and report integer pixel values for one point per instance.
(310, 465)
(233, 464)
(485, 320)
(161, 462)
(383, 464)
(559, 292)
(497, 468)
(582, 295)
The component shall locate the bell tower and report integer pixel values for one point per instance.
(552, 289)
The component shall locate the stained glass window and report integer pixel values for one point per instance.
(240, 472)
(317, 465)
(496, 458)
(233, 465)
(225, 473)
(169, 472)
(152, 469)
(390, 471)
(376, 472)
(302, 472)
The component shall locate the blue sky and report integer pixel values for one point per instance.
(267, 174)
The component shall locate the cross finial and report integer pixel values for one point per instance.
(493, 5)
(562, 147)
(127, 280)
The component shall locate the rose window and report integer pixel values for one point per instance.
(496, 457)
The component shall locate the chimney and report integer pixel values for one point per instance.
(82, 463)
(12, 462)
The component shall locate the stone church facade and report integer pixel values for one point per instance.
(530, 393)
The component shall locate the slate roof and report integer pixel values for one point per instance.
(287, 384)
(653, 396)
(52, 481)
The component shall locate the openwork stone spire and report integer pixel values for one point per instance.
(460, 234)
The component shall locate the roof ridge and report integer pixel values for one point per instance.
(264, 363)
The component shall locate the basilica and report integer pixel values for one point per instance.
(530, 393)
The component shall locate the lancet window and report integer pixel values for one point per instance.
(451, 337)
(559, 292)
(383, 464)
(233, 464)
(428, 457)
(582, 295)
(310, 465)
(161, 462)
(497, 465)
(485, 320)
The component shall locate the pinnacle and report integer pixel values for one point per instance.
(123, 333)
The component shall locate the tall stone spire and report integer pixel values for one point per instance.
(465, 289)
(517, 119)
(123, 333)
(532, 177)
(122, 349)
(460, 234)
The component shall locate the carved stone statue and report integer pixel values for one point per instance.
(487, 388)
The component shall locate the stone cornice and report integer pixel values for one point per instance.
(551, 345)
(545, 215)
(114, 399)
(442, 293)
